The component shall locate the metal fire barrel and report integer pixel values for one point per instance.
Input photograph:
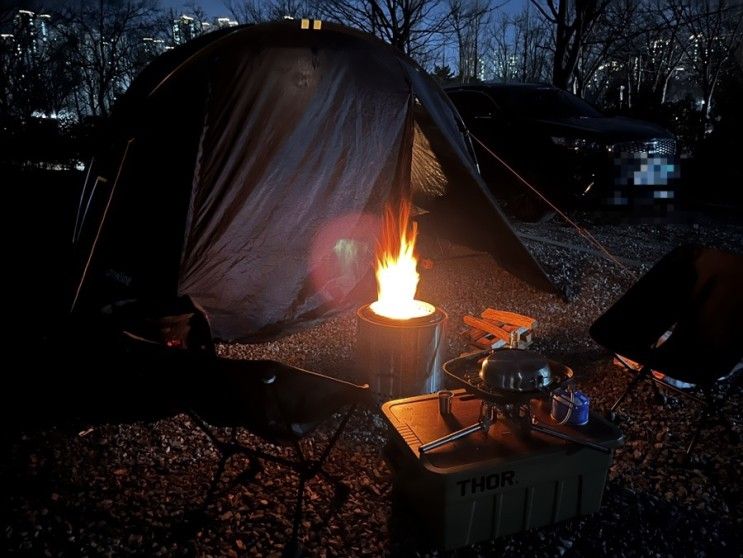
(400, 358)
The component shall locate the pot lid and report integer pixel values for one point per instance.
(521, 370)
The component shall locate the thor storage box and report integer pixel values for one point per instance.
(486, 485)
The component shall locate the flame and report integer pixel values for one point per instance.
(397, 276)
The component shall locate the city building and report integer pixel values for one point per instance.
(505, 69)
(223, 22)
(31, 32)
(7, 52)
(185, 28)
(43, 27)
(152, 47)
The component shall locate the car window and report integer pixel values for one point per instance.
(542, 102)
(472, 104)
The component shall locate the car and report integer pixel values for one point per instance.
(566, 148)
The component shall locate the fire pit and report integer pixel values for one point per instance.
(400, 340)
(401, 357)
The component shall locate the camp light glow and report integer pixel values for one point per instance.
(397, 276)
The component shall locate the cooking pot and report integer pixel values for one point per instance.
(522, 371)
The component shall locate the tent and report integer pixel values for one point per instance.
(249, 170)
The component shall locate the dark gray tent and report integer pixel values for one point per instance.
(249, 170)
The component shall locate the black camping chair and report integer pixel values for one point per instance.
(696, 294)
(279, 403)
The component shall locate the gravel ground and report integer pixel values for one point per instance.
(120, 489)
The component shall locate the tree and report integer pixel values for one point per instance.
(660, 55)
(197, 12)
(611, 43)
(531, 36)
(247, 11)
(517, 47)
(713, 30)
(502, 46)
(466, 20)
(257, 11)
(574, 23)
(443, 74)
(34, 78)
(103, 40)
(409, 25)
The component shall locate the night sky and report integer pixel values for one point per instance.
(216, 8)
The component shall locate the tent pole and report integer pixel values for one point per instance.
(98, 180)
(188, 60)
(100, 226)
(82, 195)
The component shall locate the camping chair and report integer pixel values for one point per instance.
(279, 403)
(696, 294)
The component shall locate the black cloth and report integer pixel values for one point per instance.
(696, 293)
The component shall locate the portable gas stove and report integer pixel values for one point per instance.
(489, 460)
(508, 382)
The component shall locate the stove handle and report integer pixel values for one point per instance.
(449, 438)
(557, 434)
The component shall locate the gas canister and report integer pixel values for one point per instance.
(570, 407)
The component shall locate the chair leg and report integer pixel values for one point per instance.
(215, 479)
(660, 397)
(319, 462)
(309, 468)
(340, 489)
(292, 548)
(702, 420)
(201, 425)
(641, 375)
(226, 451)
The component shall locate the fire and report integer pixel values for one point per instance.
(397, 276)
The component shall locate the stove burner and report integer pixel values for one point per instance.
(507, 381)
(508, 375)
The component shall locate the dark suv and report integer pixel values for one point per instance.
(566, 147)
